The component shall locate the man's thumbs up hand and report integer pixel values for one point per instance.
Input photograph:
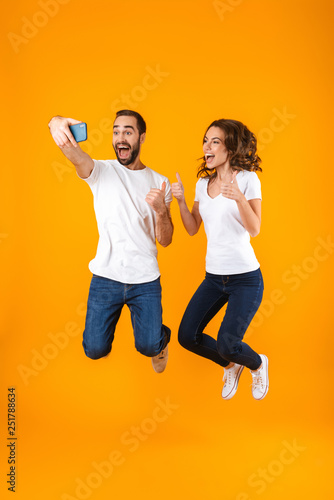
(156, 198)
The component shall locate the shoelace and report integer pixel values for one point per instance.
(257, 379)
(227, 377)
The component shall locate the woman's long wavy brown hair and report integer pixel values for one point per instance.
(241, 144)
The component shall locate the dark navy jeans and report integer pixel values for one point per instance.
(243, 294)
(105, 302)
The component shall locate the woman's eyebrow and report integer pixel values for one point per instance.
(213, 138)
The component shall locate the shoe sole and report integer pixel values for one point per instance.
(267, 387)
(234, 390)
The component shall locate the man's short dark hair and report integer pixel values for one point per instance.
(141, 125)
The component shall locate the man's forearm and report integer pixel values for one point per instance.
(82, 161)
(164, 227)
(60, 131)
(75, 155)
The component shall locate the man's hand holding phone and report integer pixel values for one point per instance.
(61, 132)
(66, 133)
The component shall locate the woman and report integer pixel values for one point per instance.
(228, 200)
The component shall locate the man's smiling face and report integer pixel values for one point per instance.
(126, 140)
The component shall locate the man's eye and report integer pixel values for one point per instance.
(115, 133)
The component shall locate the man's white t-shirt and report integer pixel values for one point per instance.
(229, 250)
(127, 249)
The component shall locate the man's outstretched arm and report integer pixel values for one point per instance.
(59, 128)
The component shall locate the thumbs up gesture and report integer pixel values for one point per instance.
(231, 190)
(178, 189)
(156, 198)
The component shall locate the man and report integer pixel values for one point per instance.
(132, 207)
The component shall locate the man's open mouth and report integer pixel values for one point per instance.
(123, 151)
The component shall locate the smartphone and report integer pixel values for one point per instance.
(79, 131)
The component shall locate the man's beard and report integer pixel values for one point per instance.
(133, 154)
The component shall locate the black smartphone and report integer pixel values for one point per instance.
(79, 131)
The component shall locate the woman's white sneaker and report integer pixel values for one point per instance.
(260, 384)
(231, 379)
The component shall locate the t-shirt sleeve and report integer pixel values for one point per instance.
(253, 187)
(99, 165)
(168, 193)
(197, 190)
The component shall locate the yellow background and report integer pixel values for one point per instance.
(249, 60)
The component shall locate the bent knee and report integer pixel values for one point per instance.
(186, 340)
(229, 352)
(95, 353)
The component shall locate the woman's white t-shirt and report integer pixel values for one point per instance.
(127, 249)
(229, 250)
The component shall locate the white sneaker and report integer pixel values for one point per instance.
(159, 362)
(231, 379)
(260, 384)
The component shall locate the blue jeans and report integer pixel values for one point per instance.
(243, 293)
(105, 302)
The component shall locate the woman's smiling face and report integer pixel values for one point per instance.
(215, 152)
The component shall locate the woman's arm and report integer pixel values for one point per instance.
(191, 220)
(250, 213)
(250, 210)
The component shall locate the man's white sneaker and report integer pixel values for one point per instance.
(159, 362)
(231, 379)
(260, 384)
